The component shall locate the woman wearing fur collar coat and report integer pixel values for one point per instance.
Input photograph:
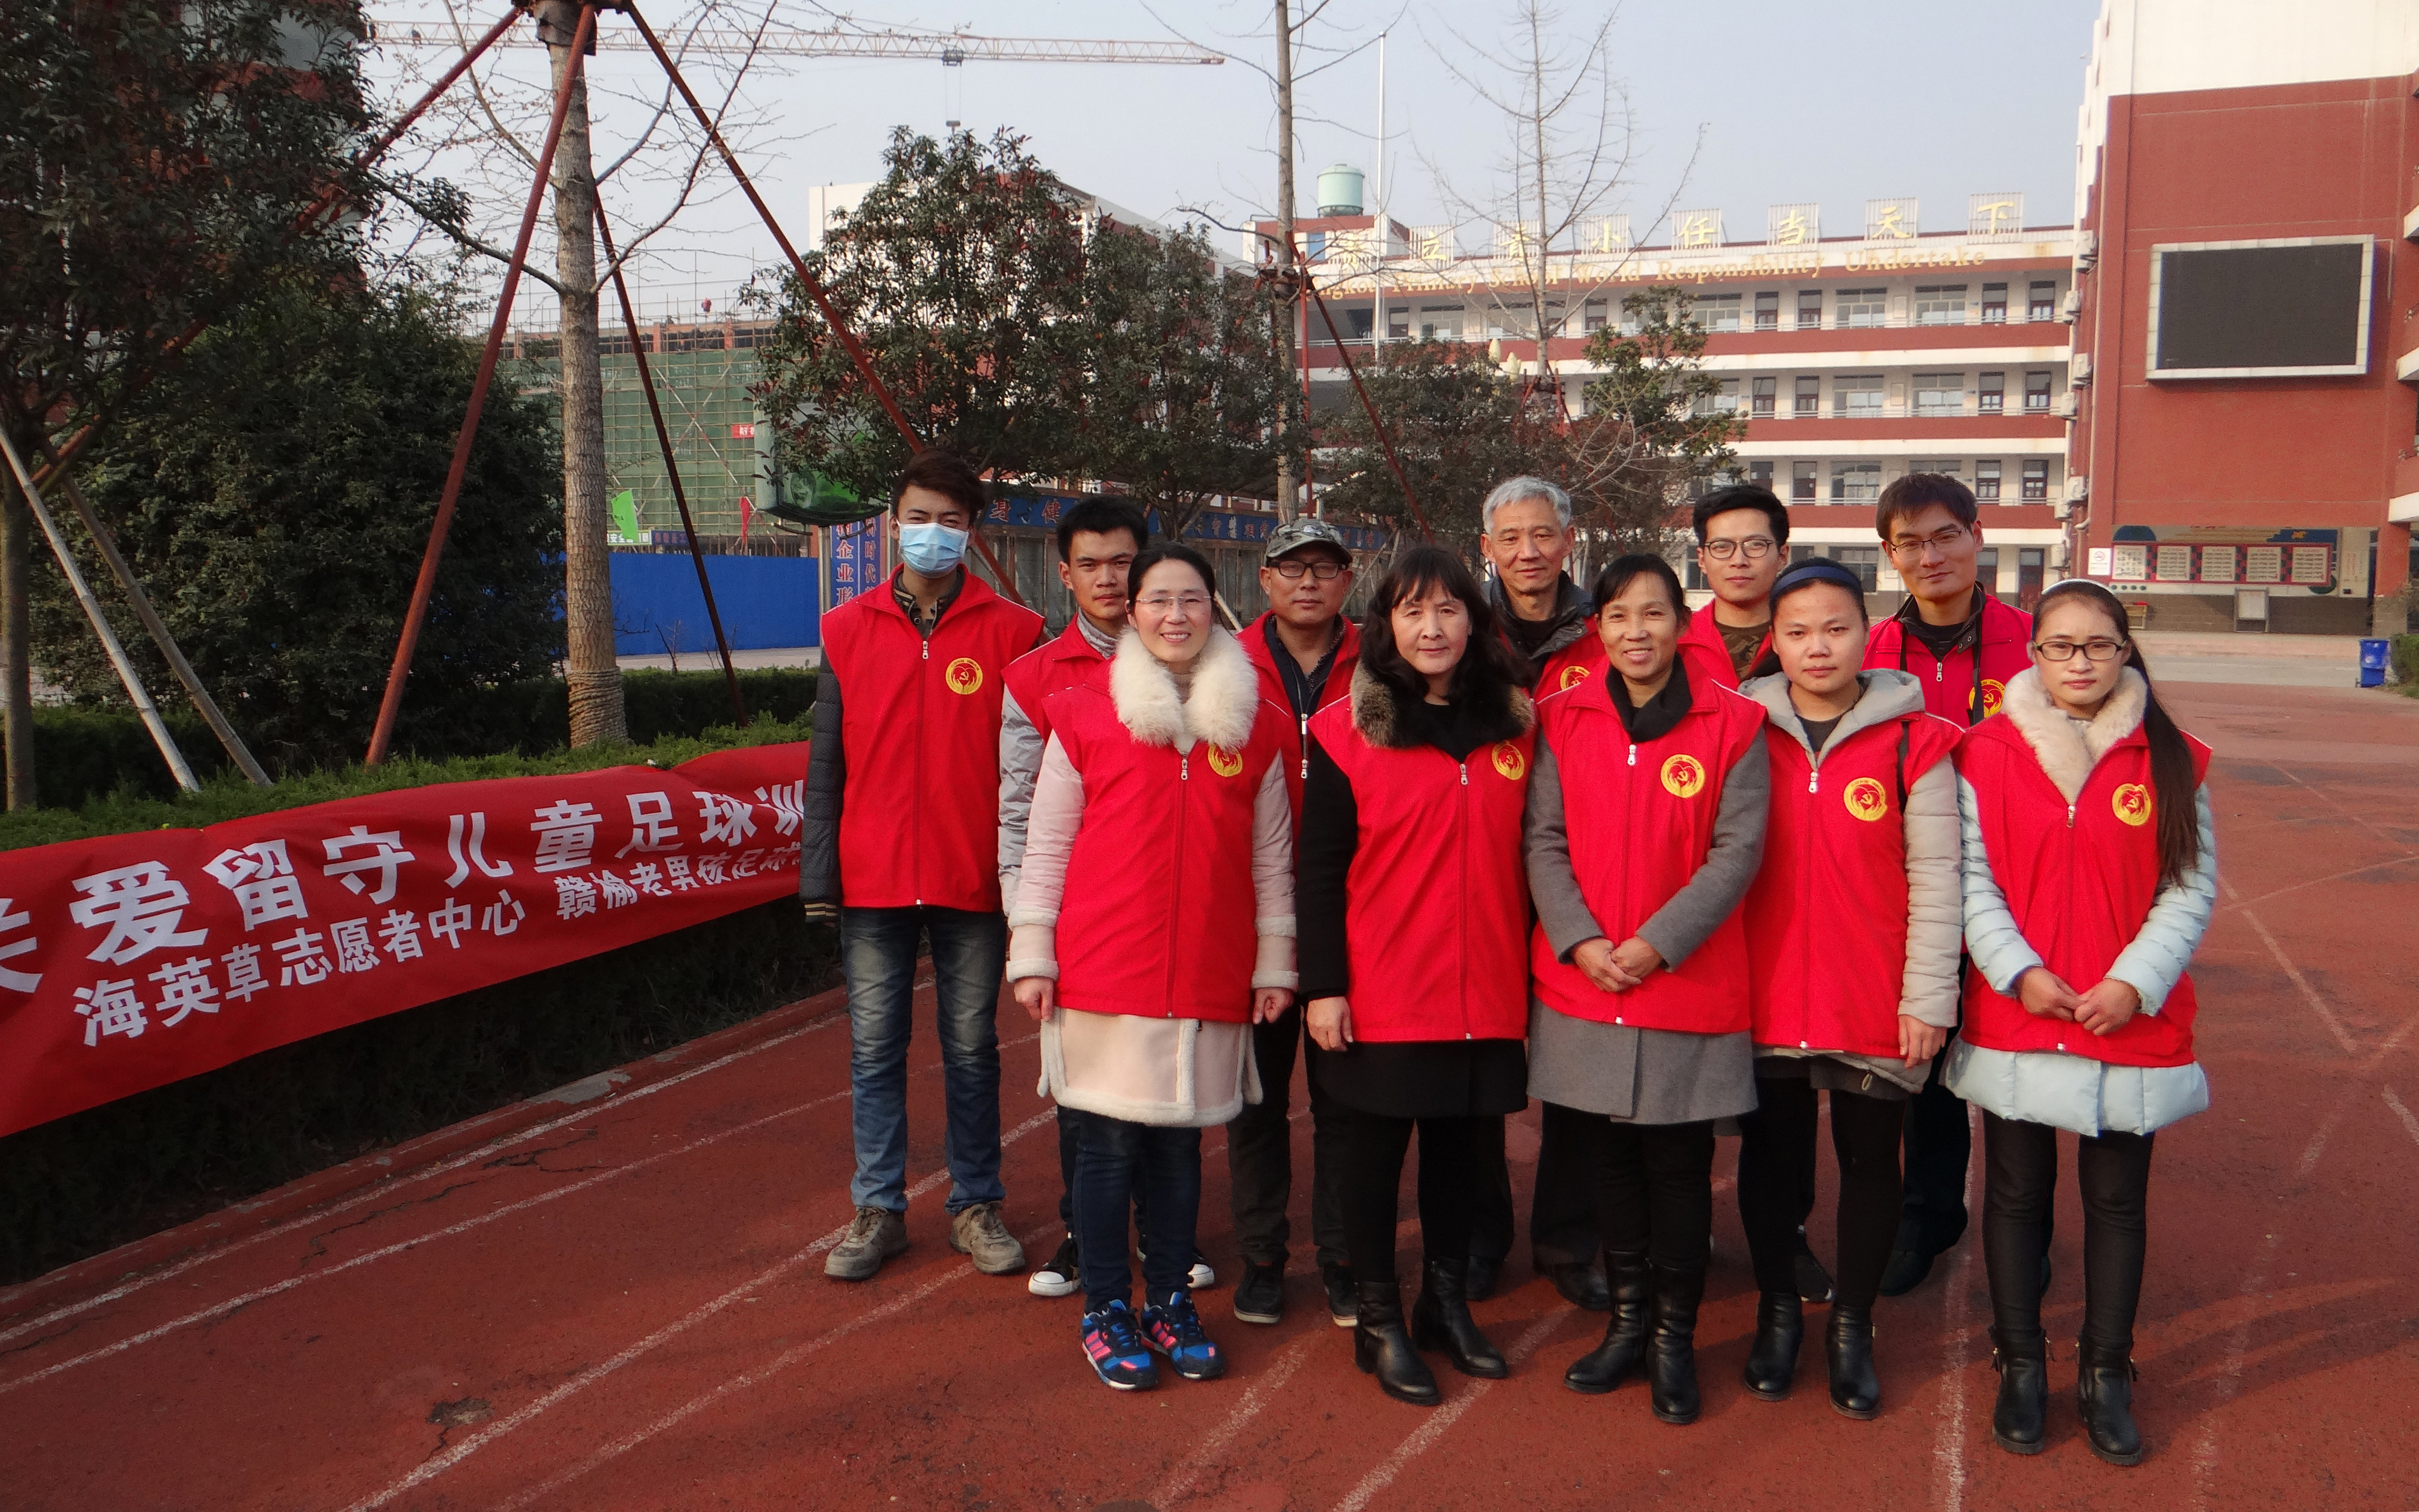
(1415, 914)
(1152, 925)
(2089, 874)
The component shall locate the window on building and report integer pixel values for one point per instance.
(1764, 393)
(1398, 325)
(1441, 322)
(1940, 393)
(1856, 397)
(1994, 304)
(1986, 569)
(1946, 466)
(1802, 483)
(1864, 306)
(2036, 481)
(1992, 397)
(1809, 397)
(2037, 393)
(1716, 312)
(1767, 310)
(2030, 563)
(1809, 309)
(1723, 401)
(2043, 303)
(1940, 304)
(1855, 483)
(1986, 480)
(1760, 473)
(1593, 316)
(1864, 560)
(1314, 245)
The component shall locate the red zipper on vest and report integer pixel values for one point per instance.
(1305, 747)
(916, 809)
(1461, 916)
(1176, 892)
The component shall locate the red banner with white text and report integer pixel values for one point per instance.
(133, 960)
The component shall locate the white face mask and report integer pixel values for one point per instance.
(931, 550)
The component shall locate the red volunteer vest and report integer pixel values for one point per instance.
(1159, 916)
(919, 733)
(2080, 881)
(1435, 905)
(1708, 659)
(1956, 688)
(1054, 667)
(1337, 686)
(1574, 664)
(1640, 818)
(1826, 917)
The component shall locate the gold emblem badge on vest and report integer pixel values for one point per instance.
(1866, 798)
(1992, 693)
(1571, 677)
(1509, 762)
(964, 676)
(2132, 803)
(1225, 763)
(1684, 777)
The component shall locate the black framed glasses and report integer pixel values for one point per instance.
(1755, 549)
(1912, 547)
(1325, 569)
(2098, 648)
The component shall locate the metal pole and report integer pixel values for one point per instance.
(814, 289)
(143, 704)
(391, 704)
(671, 469)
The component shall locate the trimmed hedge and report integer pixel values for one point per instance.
(2402, 656)
(82, 753)
(87, 1183)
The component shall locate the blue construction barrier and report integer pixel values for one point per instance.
(765, 602)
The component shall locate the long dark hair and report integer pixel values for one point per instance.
(1489, 664)
(2172, 777)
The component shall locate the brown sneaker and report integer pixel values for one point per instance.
(874, 1236)
(979, 1232)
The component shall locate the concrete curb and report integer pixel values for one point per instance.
(271, 1208)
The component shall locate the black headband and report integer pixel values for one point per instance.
(1818, 570)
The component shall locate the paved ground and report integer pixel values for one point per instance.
(706, 661)
(622, 1307)
(2254, 661)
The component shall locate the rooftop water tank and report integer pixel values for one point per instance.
(1339, 190)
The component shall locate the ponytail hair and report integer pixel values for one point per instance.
(2173, 779)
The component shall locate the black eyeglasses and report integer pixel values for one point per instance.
(1755, 549)
(1325, 570)
(2095, 649)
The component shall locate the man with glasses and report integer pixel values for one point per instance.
(1963, 645)
(1742, 545)
(1304, 649)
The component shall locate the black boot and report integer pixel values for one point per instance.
(1848, 1344)
(1381, 1348)
(1772, 1363)
(2017, 1421)
(1441, 1320)
(1625, 1337)
(2103, 1393)
(1671, 1344)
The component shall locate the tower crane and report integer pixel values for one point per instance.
(952, 48)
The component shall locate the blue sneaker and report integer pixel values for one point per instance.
(1174, 1329)
(1116, 1352)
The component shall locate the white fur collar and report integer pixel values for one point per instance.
(2066, 754)
(1220, 710)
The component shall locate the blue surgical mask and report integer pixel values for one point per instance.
(933, 550)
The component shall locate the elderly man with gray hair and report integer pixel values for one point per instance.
(1526, 536)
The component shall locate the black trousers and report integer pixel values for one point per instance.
(1654, 1184)
(1259, 1154)
(2019, 1180)
(1939, 1144)
(1369, 1176)
(1776, 1179)
(1562, 1221)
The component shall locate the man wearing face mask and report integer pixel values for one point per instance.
(900, 841)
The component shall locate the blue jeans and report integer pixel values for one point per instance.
(1121, 1165)
(877, 955)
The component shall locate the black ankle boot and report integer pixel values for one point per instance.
(2103, 1393)
(1848, 1344)
(1441, 1321)
(2017, 1420)
(1381, 1348)
(1779, 1327)
(1672, 1344)
(1624, 1336)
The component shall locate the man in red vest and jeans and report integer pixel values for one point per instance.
(901, 840)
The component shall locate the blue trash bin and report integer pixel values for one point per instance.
(2372, 664)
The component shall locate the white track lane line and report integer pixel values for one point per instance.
(1213, 1448)
(1442, 1418)
(436, 1464)
(1949, 1430)
(2409, 1122)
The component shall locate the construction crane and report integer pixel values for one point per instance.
(953, 48)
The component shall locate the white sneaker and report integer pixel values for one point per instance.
(1056, 1277)
(1202, 1277)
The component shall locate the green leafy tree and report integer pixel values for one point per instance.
(274, 492)
(1459, 427)
(1651, 430)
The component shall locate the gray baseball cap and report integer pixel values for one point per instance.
(1301, 531)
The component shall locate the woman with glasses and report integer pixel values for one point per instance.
(1152, 925)
(1414, 913)
(2091, 873)
(1644, 827)
(1864, 812)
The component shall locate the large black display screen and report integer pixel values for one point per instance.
(2247, 310)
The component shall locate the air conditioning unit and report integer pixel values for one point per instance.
(2078, 489)
(2072, 305)
(2065, 408)
(2078, 370)
(2067, 509)
(2087, 251)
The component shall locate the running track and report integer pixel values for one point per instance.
(622, 1307)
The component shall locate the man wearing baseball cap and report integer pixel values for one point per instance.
(1305, 649)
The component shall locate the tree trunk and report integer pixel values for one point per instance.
(1285, 349)
(16, 643)
(593, 674)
